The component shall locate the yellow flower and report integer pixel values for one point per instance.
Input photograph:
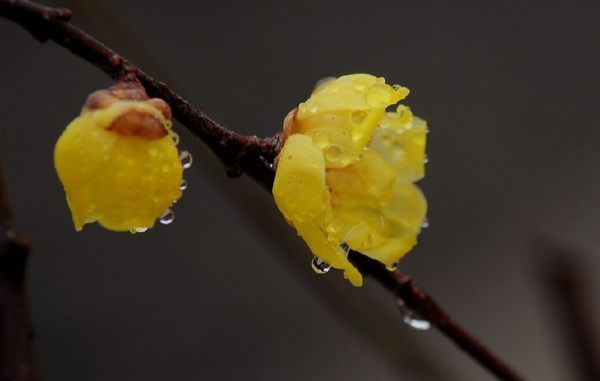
(118, 161)
(345, 173)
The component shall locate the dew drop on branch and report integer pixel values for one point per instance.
(411, 319)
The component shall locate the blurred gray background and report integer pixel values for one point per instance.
(510, 90)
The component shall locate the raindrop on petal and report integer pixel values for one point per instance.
(319, 266)
(183, 185)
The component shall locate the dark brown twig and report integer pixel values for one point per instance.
(415, 298)
(240, 154)
(16, 357)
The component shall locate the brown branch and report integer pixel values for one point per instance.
(415, 298)
(240, 154)
(16, 357)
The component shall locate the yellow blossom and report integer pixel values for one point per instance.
(118, 161)
(346, 171)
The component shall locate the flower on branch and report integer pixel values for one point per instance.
(345, 173)
(118, 161)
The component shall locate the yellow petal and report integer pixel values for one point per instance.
(301, 194)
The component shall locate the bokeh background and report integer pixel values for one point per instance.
(510, 90)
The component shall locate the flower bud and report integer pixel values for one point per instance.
(118, 162)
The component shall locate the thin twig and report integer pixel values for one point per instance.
(16, 357)
(239, 153)
(415, 298)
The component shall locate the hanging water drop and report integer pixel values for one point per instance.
(425, 224)
(183, 185)
(426, 160)
(186, 159)
(138, 230)
(319, 266)
(167, 217)
(409, 317)
(393, 267)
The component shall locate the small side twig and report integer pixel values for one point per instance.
(16, 357)
(239, 153)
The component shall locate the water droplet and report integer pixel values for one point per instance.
(333, 153)
(167, 217)
(397, 149)
(409, 317)
(357, 117)
(186, 159)
(138, 230)
(378, 96)
(175, 137)
(426, 160)
(403, 113)
(425, 224)
(314, 109)
(319, 266)
(345, 159)
(320, 139)
(183, 185)
(359, 84)
(333, 227)
(418, 324)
